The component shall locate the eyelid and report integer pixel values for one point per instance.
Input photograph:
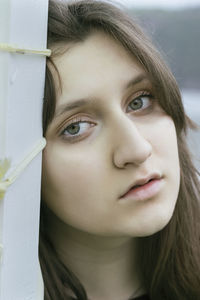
(72, 119)
(75, 120)
(139, 94)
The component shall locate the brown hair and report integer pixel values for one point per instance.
(169, 259)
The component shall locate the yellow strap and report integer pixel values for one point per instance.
(4, 166)
(21, 50)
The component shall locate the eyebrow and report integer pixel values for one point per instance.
(71, 105)
(136, 80)
(83, 102)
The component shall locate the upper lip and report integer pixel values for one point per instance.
(141, 181)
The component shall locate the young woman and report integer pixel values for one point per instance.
(120, 209)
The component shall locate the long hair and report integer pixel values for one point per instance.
(169, 259)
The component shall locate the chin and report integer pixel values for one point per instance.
(157, 225)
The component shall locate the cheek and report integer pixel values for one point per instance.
(166, 152)
(71, 177)
(164, 139)
(63, 170)
(73, 184)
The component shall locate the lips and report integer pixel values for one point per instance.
(144, 187)
(142, 184)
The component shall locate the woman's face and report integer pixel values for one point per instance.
(109, 136)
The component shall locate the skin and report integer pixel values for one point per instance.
(94, 231)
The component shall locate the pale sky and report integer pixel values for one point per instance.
(160, 3)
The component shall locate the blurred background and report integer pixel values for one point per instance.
(174, 27)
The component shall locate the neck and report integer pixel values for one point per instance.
(106, 266)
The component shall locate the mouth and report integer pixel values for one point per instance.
(144, 188)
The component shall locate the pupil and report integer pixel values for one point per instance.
(136, 104)
(73, 128)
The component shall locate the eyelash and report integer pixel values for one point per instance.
(74, 122)
(141, 96)
(81, 120)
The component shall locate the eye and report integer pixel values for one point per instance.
(77, 129)
(140, 103)
(74, 128)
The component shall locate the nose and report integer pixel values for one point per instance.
(130, 145)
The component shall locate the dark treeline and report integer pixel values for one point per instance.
(177, 34)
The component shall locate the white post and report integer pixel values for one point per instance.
(23, 24)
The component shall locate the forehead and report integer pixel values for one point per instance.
(97, 62)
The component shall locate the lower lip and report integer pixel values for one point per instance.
(144, 192)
